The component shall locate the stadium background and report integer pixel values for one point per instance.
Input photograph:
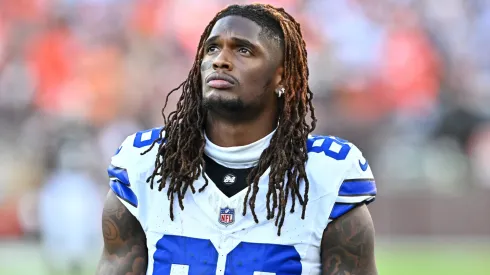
(408, 81)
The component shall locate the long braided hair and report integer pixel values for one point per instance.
(180, 157)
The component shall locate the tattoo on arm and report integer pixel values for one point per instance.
(348, 245)
(125, 251)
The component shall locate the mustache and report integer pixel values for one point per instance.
(206, 65)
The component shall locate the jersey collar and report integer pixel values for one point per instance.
(237, 157)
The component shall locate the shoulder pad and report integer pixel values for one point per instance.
(128, 164)
(357, 181)
(134, 145)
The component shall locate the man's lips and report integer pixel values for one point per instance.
(220, 84)
(220, 81)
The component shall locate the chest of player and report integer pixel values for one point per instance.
(212, 236)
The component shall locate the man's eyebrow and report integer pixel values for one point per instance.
(244, 42)
(211, 40)
(236, 40)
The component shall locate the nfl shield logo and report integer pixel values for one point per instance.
(226, 216)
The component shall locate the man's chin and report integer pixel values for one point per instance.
(222, 104)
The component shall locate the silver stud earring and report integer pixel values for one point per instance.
(280, 92)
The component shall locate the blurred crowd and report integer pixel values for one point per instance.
(408, 81)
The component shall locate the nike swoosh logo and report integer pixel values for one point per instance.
(364, 166)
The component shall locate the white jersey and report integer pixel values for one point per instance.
(211, 236)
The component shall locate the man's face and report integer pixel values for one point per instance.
(240, 69)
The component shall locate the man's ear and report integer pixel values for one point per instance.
(278, 78)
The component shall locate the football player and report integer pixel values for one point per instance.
(234, 183)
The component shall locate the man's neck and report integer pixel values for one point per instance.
(228, 134)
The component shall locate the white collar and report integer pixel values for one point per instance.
(237, 157)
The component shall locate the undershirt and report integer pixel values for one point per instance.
(229, 167)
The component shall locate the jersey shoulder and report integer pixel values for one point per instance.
(338, 166)
(132, 148)
(340, 153)
(131, 164)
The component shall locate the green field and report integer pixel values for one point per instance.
(398, 259)
(440, 259)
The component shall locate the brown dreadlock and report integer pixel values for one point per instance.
(180, 157)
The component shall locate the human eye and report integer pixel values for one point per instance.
(211, 49)
(245, 51)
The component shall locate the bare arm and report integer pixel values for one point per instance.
(125, 251)
(348, 245)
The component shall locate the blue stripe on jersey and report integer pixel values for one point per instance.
(120, 185)
(340, 209)
(119, 173)
(124, 192)
(358, 187)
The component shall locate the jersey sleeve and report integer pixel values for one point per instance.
(119, 178)
(129, 169)
(358, 185)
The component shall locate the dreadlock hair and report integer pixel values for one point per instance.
(180, 158)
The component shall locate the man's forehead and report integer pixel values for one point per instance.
(237, 26)
(240, 27)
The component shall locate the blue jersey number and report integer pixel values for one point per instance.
(146, 138)
(333, 147)
(201, 257)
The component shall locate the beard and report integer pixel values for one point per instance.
(224, 105)
(231, 109)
